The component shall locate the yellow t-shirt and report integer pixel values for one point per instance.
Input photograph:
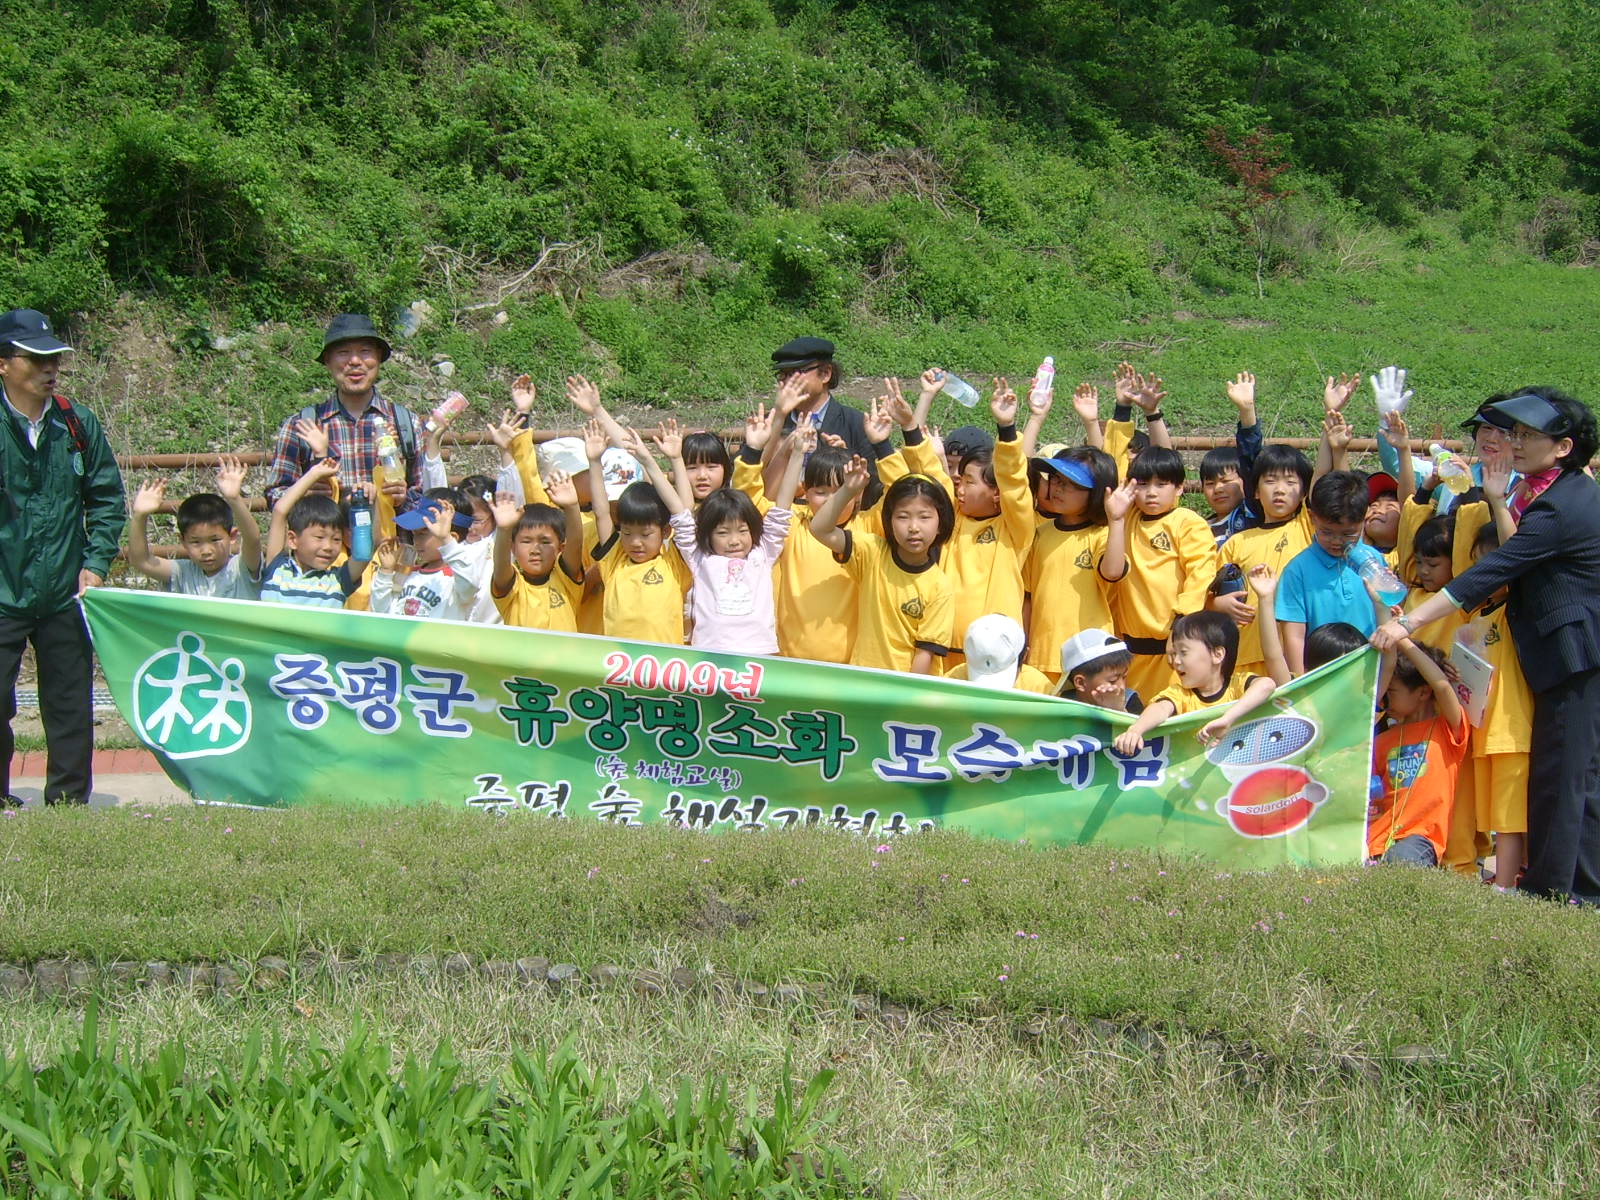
(1029, 679)
(1273, 545)
(1508, 717)
(985, 557)
(1185, 701)
(548, 603)
(643, 601)
(1172, 560)
(1062, 575)
(900, 610)
(1118, 441)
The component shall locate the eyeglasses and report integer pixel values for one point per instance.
(1337, 536)
(1522, 433)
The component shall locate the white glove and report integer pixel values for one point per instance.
(1389, 386)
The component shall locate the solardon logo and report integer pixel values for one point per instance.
(1271, 796)
(187, 706)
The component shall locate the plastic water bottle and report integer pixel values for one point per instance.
(449, 408)
(360, 526)
(1044, 383)
(388, 447)
(1451, 473)
(1372, 567)
(959, 390)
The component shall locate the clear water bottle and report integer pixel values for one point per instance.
(959, 390)
(1450, 471)
(1044, 383)
(1375, 569)
(360, 526)
(448, 410)
(388, 447)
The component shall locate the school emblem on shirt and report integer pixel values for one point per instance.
(986, 538)
(1283, 544)
(1161, 541)
(652, 576)
(556, 600)
(1084, 561)
(187, 706)
(913, 608)
(1492, 637)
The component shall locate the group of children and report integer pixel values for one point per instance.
(1065, 569)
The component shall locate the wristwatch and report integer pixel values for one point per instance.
(1404, 621)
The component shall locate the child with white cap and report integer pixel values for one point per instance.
(1094, 670)
(993, 646)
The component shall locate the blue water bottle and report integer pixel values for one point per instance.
(360, 526)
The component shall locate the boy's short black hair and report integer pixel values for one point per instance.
(704, 447)
(456, 498)
(825, 468)
(1213, 630)
(541, 516)
(1218, 463)
(1339, 496)
(984, 458)
(909, 486)
(725, 504)
(1435, 537)
(1158, 463)
(640, 505)
(1486, 539)
(1405, 671)
(1333, 640)
(1121, 659)
(204, 508)
(1276, 457)
(315, 510)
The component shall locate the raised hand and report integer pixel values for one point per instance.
(594, 440)
(1123, 382)
(1389, 390)
(879, 421)
(899, 408)
(1148, 393)
(1119, 501)
(152, 494)
(790, 395)
(231, 473)
(523, 394)
(1003, 403)
(1241, 392)
(1262, 581)
(669, 438)
(758, 427)
(442, 521)
(831, 439)
(628, 439)
(387, 554)
(856, 474)
(930, 383)
(1337, 390)
(1337, 430)
(563, 492)
(313, 435)
(1395, 431)
(803, 437)
(1085, 402)
(321, 471)
(507, 512)
(506, 430)
(583, 395)
(1496, 476)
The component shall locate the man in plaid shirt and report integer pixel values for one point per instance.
(353, 354)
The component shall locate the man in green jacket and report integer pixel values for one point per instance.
(61, 516)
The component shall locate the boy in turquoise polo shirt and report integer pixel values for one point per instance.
(1322, 583)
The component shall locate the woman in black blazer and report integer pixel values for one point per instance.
(1551, 566)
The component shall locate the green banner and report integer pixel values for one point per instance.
(267, 704)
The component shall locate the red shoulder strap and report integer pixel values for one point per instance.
(80, 443)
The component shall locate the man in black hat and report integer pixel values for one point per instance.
(62, 510)
(353, 353)
(805, 366)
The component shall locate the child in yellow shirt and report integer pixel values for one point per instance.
(1161, 559)
(1065, 591)
(992, 649)
(538, 559)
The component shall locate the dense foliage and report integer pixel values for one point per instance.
(691, 170)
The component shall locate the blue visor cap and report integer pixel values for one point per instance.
(1486, 415)
(1070, 469)
(418, 517)
(1535, 412)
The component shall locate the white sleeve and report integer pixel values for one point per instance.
(775, 531)
(510, 480)
(432, 474)
(382, 594)
(683, 537)
(469, 567)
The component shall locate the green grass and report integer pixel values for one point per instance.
(1335, 960)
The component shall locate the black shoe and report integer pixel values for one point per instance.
(10, 801)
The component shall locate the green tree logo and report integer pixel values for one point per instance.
(187, 706)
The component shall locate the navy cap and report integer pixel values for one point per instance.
(1070, 469)
(1534, 411)
(418, 517)
(350, 327)
(30, 329)
(802, 351)
(968, 439)
(1486, 415)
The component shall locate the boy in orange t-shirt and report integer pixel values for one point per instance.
(1416, 760)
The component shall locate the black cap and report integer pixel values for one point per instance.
(968, 439)
(1486, 415)
(30, 330)
(350, 327)
(1534, 411)
(801, 352)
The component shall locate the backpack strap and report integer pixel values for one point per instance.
(405, 428)
(80, 440)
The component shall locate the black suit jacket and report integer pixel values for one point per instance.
(848, 423)
(1552, 565)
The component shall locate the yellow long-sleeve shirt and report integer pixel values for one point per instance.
(1069, 595)
(1273, 545)
(1172, 559)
